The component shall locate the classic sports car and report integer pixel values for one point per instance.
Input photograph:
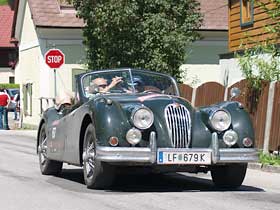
(139, 120)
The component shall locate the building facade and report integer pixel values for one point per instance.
(248, 22)
(202, 63)
(8, 46)
(40, 26)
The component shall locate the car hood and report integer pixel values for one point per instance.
(114, 110)
(154, 101)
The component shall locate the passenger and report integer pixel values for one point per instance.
(64, 102)
(138, 85)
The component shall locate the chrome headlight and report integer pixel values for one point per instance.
(133, 136)
(220, 120)
(142, 117)
(230, 137)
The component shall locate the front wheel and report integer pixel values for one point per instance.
(229, 176)
(97, 175)
(47, 166)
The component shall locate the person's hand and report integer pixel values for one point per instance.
(115, 81)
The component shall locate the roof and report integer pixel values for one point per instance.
(215, 14)
(48, 13)
(6, 22)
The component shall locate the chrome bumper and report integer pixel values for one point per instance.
(149, 154)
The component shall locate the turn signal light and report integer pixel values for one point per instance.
(114, 141)
(247, 142)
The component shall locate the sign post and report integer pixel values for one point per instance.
(54, 58)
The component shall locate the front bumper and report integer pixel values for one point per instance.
(149, 154)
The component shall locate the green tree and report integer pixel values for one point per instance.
(150, 34)
(261, 61)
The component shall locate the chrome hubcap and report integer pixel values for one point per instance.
(42, 150)
(89, 159)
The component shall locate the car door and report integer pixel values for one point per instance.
(57, 136)
(73, 123)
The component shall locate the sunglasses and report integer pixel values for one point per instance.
(102, 86)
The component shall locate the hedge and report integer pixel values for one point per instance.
(7, 85)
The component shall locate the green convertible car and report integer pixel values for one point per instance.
(136, 118)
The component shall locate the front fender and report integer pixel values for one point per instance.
(241, 122)
(49, 116)
(110, 120)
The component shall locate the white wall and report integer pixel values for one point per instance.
(5, 73)
(196, 74)
(202, 58)
(230, 71)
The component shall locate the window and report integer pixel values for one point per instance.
(246, 12)
(66, 6)
(65, 2)
(12, 80)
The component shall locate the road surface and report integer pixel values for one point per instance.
(23, 187)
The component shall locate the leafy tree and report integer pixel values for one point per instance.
(260, 61)
(150, 34)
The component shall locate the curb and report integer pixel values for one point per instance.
(263, 167)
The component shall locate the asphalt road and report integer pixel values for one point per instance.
(23, 187)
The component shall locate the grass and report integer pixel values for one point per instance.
(269, 159)
(3, 2)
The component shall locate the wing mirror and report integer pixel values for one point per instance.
(234, 92)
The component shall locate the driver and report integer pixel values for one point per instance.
(102, 86)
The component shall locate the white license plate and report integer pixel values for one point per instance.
(181, 157)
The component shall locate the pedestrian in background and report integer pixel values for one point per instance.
(15, 101)
(4, 102)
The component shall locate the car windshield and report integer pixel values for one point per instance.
(127, 81)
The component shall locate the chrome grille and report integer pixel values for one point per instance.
(178, 121)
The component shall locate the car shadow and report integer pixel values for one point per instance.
(170, 182)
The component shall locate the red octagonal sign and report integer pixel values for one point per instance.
(54, 58)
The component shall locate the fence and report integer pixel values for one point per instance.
(212, 92)
(275, 121)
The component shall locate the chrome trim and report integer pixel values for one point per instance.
(215, 147)
(178, 122)
(136, 109)
(238, 155)
(153, 147)
(212, 114)
(177, 92)
(146, 155)
(149, 154)
(129, 154)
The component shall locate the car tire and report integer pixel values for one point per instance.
(229, 176)
(47, 166)
(97, 174)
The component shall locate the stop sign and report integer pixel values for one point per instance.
(54, 58)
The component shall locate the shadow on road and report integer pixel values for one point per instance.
(172, 182)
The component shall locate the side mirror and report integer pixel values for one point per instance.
(234, 92)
